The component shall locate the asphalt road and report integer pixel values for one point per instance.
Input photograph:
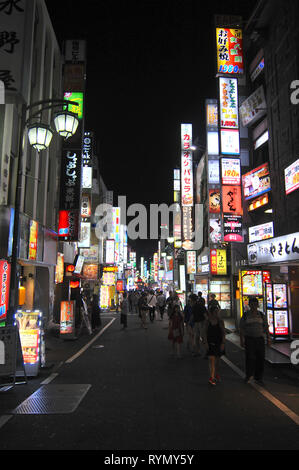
(135, 396)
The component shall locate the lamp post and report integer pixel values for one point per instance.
(39, 136)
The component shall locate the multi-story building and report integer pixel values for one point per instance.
(270, 189)
(31, 70)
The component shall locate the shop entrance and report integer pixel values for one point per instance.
(34, 289)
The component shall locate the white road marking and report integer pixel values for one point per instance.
(49, 379)
(293, 416)
(75, 356)
(4, 419)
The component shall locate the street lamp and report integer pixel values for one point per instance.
(66, 123)
(39, 136)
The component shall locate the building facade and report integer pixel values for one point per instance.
(31, 70)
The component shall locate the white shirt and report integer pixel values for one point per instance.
(151, 300)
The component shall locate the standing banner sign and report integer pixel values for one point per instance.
(67, 319)
(31, 334)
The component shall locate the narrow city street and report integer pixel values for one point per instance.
(135, 395)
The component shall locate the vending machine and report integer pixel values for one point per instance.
(277, 308)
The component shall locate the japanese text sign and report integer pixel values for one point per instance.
(186, 165)
(70, 186)
(228, 93)
(285, 248)
(254, 107)
(261, 232)
(5, 281)
(218, 264)
(12, 45)
(191, 262)
(232, 200)
(231, 171)
(229, 45)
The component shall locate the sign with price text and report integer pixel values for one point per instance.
(231, 171)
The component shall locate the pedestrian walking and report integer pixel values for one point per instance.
(213, 302)
(176, 330)
(169, 304)
(161, 303)
(143, 309)
(198, 316)
(189, 323)
(95, 312)
(135, 301)
(130, 299)
(214, 341)
(253, 330)
(125, 308)
(200, 298)
(152, 302)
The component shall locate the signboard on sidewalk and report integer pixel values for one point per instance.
(29, 324)
(67, 319)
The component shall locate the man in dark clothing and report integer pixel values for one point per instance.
(200, 298)
(213, 302)
(253, 330)
(198, 316)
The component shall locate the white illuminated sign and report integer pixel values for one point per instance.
(109, 252)
(228, 93)
(84, 241)
(186, 165)
(261, 232)
(213, 143)
(285, 248)
(230, 141)
(231, 171)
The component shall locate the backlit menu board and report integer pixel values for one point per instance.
(277, 309)
(252, 282)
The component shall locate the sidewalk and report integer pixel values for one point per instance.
(277, 353)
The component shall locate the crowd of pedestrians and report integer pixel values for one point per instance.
(202, 327)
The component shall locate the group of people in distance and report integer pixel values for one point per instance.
(205, 329)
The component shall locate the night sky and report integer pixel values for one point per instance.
(150, 67)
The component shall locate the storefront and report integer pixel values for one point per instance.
(108, 291)
(212, 278)
(279, 294)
